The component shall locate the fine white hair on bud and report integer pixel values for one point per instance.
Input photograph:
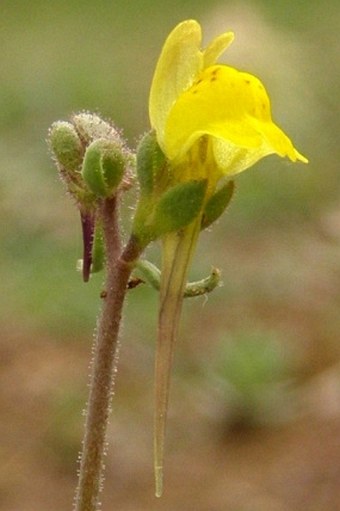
(90, 127)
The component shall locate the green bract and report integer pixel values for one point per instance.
(217, 204)
(179, 206)
(150, 162)
(175, 208)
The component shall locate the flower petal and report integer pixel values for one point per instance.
(216, 48)
(232, 159)
(231, 106)
(180, 62)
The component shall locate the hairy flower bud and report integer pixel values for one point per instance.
(66, 145)
(91, 127)
(103, 167)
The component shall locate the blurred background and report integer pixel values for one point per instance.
(254, 422)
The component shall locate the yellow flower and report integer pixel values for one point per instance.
(211, 113)
(210, 120)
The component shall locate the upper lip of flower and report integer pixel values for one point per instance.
(180, 62)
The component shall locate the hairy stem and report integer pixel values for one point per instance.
(118, 269)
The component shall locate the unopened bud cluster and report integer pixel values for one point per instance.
(94, 163)
(91, 157)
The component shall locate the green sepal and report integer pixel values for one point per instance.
(178, 207)
(98, 249)
(66, 145)
(150, 161)
(103, 167)
(217, 204)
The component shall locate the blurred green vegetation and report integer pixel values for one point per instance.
(63, 56)
(253, 374)
(60, 441)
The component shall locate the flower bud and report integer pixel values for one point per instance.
(91, 127)
(66, 145)
(103, 167)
